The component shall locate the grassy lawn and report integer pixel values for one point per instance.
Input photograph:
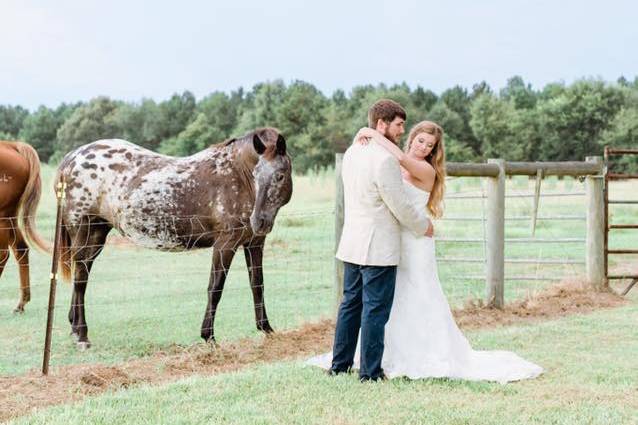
(590, 378)
(140, 301)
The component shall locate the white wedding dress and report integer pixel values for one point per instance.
(422, 339)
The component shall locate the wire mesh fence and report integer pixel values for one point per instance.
(533, 260)
(140, 301)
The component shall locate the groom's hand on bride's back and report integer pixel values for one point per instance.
(430, 230)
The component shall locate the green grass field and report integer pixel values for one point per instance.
(140, 301)
(590, 378)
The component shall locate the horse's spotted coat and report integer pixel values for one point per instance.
(158, 201)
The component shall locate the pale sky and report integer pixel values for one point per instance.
(65, 51)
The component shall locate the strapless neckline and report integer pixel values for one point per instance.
(407, 183)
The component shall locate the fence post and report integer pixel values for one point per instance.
(338, 228)
(495, 273)
(60, 195)
(595, 227)
(537, 198)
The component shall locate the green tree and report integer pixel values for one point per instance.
(458, 100)
(521, 94)
(423, 99)
(574, 120)
(197, 136)
(261, 105)
(222, 111)
(491, 119)
(338, 116)
(141, 123)
(176, 113)
(301, 117)
(527, 132)
(623, 133)
(11, 120)
(92, 121)
(479, 89)
(40, 129)
(456, 151)
(217, 116)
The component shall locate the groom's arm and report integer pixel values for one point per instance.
(394, 196)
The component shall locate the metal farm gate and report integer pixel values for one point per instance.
(609, 176)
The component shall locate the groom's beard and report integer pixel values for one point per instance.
(391, 137)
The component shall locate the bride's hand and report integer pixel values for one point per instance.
(430, 230)
(364, 135)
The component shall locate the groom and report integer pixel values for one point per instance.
(376, 205)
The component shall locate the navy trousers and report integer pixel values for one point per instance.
(368, 292)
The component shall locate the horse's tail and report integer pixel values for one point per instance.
(31, 197)
(64, 260)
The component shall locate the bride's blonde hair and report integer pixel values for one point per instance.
(436, 158)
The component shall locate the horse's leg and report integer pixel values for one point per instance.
(222, 257)
(21, 253)
(4, 243)
(72, 312)
(253, 251)
(87, 244)
(4, 256)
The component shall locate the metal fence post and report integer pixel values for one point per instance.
(339, 211)
(60, 194)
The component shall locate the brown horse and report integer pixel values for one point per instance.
(224, 197)
(20, 189)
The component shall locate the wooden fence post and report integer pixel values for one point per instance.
(338, 228)
(595, 227)
(495, 273)
(537, 198)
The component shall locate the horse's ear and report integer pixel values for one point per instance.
(258, 145)
(281, 145)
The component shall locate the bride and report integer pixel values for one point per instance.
(422, 339)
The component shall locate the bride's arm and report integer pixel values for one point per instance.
(422, 171)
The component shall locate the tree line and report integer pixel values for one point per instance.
(559, 122)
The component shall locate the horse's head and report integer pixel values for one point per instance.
(273, 180)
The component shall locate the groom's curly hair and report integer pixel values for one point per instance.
(386, 110)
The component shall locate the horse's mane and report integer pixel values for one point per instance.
(260, 131)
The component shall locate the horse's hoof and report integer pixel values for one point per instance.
(83, 345)
(207, 337)
(18, 310)
(75, 335)
(265, 328)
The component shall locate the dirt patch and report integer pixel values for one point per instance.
(22, 394)
(104, 377)
(556, 301)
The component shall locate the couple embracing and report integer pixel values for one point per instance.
(394, 320)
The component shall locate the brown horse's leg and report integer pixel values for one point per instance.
(4, 244)
(87, 244)
(21, 253)
(4, 256)
(253, 251)
(222, 257)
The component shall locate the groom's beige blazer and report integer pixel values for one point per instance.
(375, 207)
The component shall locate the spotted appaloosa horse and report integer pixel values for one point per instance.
(224, 197)
(20, 189)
